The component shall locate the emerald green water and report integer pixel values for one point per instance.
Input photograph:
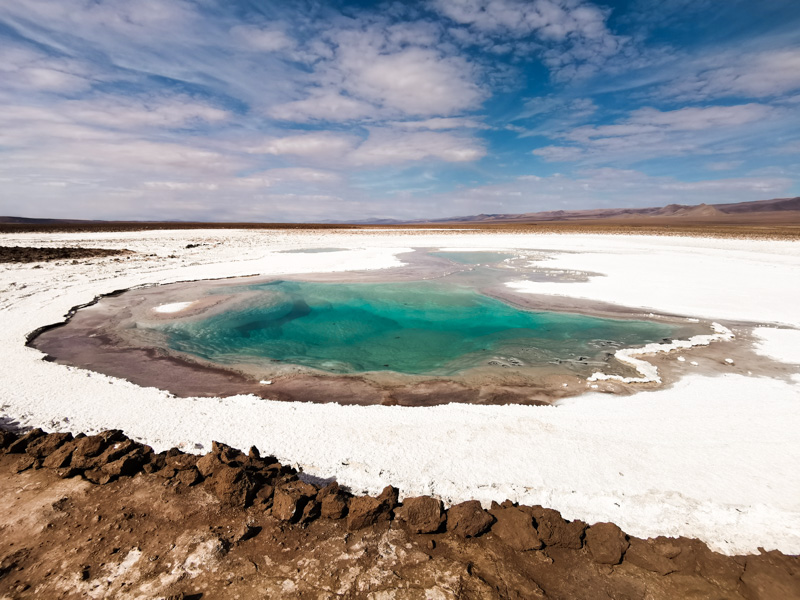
(412, 327)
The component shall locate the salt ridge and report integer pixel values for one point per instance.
(648, 371)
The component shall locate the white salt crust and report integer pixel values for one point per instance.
(173, 308)
(782, 345)
(649, 372)
(710, 457)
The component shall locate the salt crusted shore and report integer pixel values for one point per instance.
(714, 458)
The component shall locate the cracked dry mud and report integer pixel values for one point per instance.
(105, 517)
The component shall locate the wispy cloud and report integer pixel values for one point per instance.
(156, 108)
(736, 74)
(571, 36)
(649, 132)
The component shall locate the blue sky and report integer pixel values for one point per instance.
(303, 111)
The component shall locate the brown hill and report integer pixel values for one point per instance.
(699, 211)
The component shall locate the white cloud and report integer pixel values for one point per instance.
(26, 70)
(377, 71)
(603, 188)
(649, 132)
(302, 174)
(549, 19)
(414, 81)
(441, 123)
(572, 35)
(324, 105)
(266, 39)
(180, 185)
(319, 145)
(131, 112)
(724, 165)
(733, 73)
(386, 147)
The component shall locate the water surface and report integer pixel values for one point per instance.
(421, 328)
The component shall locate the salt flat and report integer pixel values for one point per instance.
(715, 458)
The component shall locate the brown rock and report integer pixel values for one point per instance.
(389, 497)
(23, 464)
(188, 477)
(209, 464)
(311, 511)
(422, 514)
(770, 576)
(233, 487)
(115, 451)
(68, 472)
(225, 453)
(515, 527)
(468, 519)
(289, 502)
(19, 445)
(264, 496)
(333, 503)
(645, 555)
(151, 467)
(181, 461)
(167, 473)
(88, 450)
(554, 531)
(90, 446)
(607, 543)
(365, 511)
(97, 476)
(61, 457)
(112, 435)
(47, 444)
(7, 438)
(717, 568)
(128, 464)
(245, 532)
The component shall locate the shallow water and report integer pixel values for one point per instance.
(421, 328)
(471, 257)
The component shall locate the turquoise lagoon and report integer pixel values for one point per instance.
(417, 327)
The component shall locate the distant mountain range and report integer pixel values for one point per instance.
(699, 212)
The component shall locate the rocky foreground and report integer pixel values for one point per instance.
(105, 517)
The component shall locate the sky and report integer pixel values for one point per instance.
(249, 110)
